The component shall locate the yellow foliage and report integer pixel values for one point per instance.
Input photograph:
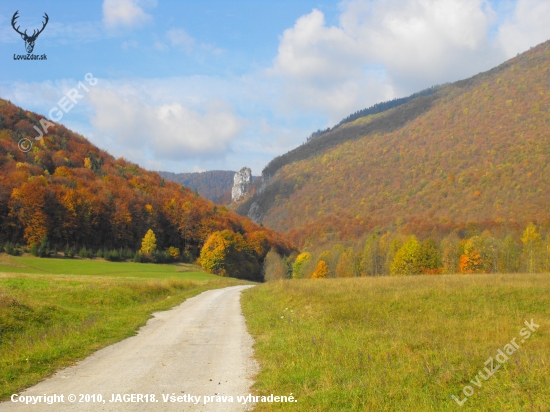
(321, 271)
(149, 243)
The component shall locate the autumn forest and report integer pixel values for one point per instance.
(453, 179)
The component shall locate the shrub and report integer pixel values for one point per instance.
(34, 249)
(44, 247)
(138, 258)
(10, 249)
(69, 252)
(126, 253)
(188, 257)
(174, 252)
(85, 253)
(113, 256)
(160, 257)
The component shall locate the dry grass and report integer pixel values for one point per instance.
(401, 344)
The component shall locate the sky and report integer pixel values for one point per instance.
(186, 86)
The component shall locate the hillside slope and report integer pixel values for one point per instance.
(475, 151)
(77, 195)
(212, 185)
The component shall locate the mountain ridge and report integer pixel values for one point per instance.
(453, 159)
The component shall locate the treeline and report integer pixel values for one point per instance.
(384, 124)
(390, 253)
(390, 104)
(69, 195)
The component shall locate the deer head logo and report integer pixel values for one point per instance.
(29, 40)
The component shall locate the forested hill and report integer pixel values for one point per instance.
(476, 151)
(75, 194)
(213, 184)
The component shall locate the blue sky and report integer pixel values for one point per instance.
(212, 84)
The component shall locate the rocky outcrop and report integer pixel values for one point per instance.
(241, 184)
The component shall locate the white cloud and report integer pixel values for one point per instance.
(179, 38)
(160, 46)
(129, 44)
(528, 26)
(124, 13)
(168, 131)
(182, 40)
(382, 49)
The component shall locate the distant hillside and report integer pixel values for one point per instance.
(378, 108)
(477, 150)
(74, 194)
(215, 185)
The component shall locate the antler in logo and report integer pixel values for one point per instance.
(29, 40)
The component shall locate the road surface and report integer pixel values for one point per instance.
(200, 348)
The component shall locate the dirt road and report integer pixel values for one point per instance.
(200, 348)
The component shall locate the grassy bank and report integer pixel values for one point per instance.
(54, 311)
(401, 344)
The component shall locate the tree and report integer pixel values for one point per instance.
(429, 259)
(27, 207)
(509, 256)
(475, 258)
(452, 249)
(321, 271)
(297, 272)
(407, 259)
(531, 248)
(274, 267)
(346, 264)
(372, 262)
(227, 253)
(391, 247)
(149, 243)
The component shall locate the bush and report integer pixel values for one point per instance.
(127, 253)
(34, 249)
(138, 258)
(160, 257)
(10, 249)
(174, 252)
(85, 253)
(69, 252)
(112, 256)
(99, 253)
(44, 248)
(188, 257)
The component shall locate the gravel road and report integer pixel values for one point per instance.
(200, 348)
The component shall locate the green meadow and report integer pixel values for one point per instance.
(401, 343)
(54, 312)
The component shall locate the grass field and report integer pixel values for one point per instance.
(402, 343)
(56, 311)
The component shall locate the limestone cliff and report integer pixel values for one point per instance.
(241, 184)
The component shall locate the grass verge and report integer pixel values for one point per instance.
(48, 321)
(401, 344)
